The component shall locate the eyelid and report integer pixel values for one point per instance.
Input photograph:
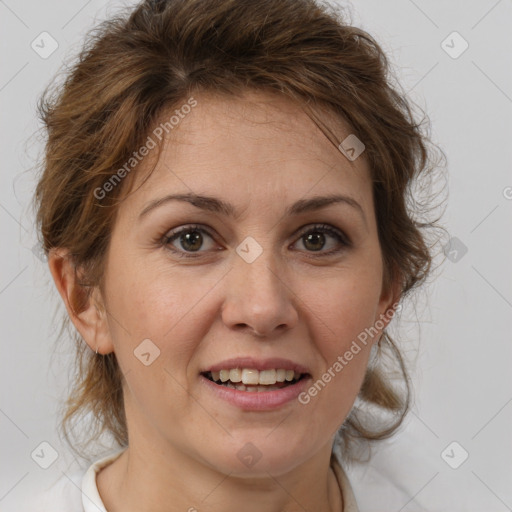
(343, 239)
(326, 228)
(168, 235)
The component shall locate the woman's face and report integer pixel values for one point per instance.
(261, 278)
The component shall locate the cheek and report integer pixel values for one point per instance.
(146, 304)
(344, 306)
(159, 302)
(340, 313)
(155, 328)
(338, 317)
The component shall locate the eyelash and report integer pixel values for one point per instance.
(168, 238)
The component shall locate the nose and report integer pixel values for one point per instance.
(258, 300)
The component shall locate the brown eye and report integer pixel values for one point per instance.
(314, 241)
(317, 238)
(189, 239)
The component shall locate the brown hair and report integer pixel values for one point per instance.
(136, 66)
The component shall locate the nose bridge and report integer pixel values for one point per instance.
(262, 275)
(257, 295)
(259, 274)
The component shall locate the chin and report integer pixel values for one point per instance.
(256, 456)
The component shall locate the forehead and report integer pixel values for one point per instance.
(259, 146)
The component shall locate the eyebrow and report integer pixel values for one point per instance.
(215, 205)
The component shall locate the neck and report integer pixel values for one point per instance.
(144, 478)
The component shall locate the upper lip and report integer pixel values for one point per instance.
(257, 364)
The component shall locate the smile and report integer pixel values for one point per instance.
(249, 389)
(252, 380)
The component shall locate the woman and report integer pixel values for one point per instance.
(223, 205)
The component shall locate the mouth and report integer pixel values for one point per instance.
(255, 381)
(252, 384)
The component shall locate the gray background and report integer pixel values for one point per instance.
(462, 348)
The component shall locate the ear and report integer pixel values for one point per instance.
(388, 304)
(84, 305)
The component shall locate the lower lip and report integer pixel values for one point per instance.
(257, 400)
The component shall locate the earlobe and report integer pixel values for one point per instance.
(84, 306)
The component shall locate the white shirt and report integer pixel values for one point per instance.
(79, 492)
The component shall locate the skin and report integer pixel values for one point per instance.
(261, 153)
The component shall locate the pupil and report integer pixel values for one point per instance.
(315, 238)
(191, 240)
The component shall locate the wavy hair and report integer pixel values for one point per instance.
(139, 64)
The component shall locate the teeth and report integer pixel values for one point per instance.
(267, 377)
(235, 375)
(251, 389)
(251, 377)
